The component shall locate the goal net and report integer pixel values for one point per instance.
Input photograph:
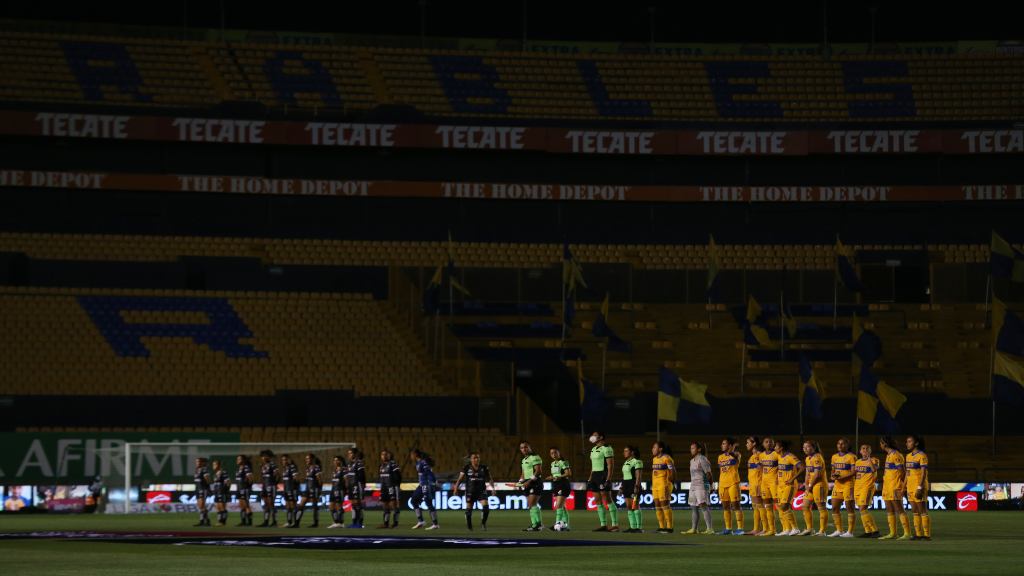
(171, 464)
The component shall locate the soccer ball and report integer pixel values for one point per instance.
(560, 526)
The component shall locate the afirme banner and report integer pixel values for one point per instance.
(72, 457)
(552, 140)
(187, 183)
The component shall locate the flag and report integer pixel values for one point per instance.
(755, 330)
(1005, 261)
(450, 268)
(591, 397)
(714, 265)
(812, 392)
(1008, 367)
(680, 400)
(601, 329)
(846, 268)
(874, 393)
(867, 346)
(432, 293)
(572, 275)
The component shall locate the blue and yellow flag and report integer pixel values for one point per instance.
(592, 398)
(680, 400)
(714, 266)
(867, 346)
(873, 393)
(846, 268)
(601, 329)
(755, 328)
(1005, 261)
(1008, 360)
(812, 392)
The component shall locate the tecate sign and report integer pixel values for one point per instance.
(966, 502)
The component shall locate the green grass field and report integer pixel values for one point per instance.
(979, 543)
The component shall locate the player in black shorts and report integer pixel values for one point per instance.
(390, 478)
(355, 481)
(312, 493)
(221, 489)
(531, 482)
(477, 476)
(201, 477)
(338, 493)
(290, 483)
(268, 488)
(243, 485)
(561, 488)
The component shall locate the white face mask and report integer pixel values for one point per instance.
(593, 439)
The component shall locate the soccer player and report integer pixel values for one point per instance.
(602, 464)
(632, 476)
(754, 484)
(221, 489)
(769, 479)
(815, 487)
(355, 482)
(663, 477)
(477, 477)
(290, 487)
(561, 472)
(425, 488)
(894, 483)
(201, 477)
(312, 493)
(917, 487)
(842, 490)
(866, 470)
(729, 486)
(338, 493)
(700, 490)
(268, 488)
(789, 469)
(531, 483)
(390, 478)
(243, 484)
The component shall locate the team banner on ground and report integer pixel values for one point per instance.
(553, 140)
(187, 183)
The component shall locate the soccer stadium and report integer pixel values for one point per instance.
(429, 287)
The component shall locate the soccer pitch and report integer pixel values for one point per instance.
(975, 543)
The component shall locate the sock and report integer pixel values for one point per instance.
(823, 518)
(669, 519)
(290, 515)
(727, 517)
(535, 516)
(483, 517)
(359, 516)
(905, 522)
(694, 518)
(419, 515)
(395, 517)
(639, 514)
(706, 510)
(757, 517)
(917, 525)
(469, 518)
(791, 516)
(316, 514)
(387, 516)
(851, 519)
(808, 517)
(613, 510)
(784, 520)
(660, 516)
(266, 515)
(769, 516)
(433, 516)
(837, 519)
(298, 515)
(865, 521)
(222, 516)
(738, 518)
(926, 525)
(273, 515)
(602, 515)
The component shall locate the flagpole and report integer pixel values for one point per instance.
(835, 287)
(604, 362)
(743, 364)
(856, 433)
(563, 302)
(991, 360)
(782, 327)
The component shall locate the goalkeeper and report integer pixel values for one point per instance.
(532, 484)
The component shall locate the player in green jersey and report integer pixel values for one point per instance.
(532, 484)
(632, 476)
(561, 472)
(602, 469)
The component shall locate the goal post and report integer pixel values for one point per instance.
(144, 459)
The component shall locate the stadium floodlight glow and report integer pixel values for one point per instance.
(212, 450)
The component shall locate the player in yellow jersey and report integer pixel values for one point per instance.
(866, 474)
(815, 488)
(729, 486)
(917, 487)
(894, 482)
(790, 467)
(754, 483)
(769, 478)
(842, 489)
(663, 470)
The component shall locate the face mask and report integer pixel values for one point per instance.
(593, 439)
